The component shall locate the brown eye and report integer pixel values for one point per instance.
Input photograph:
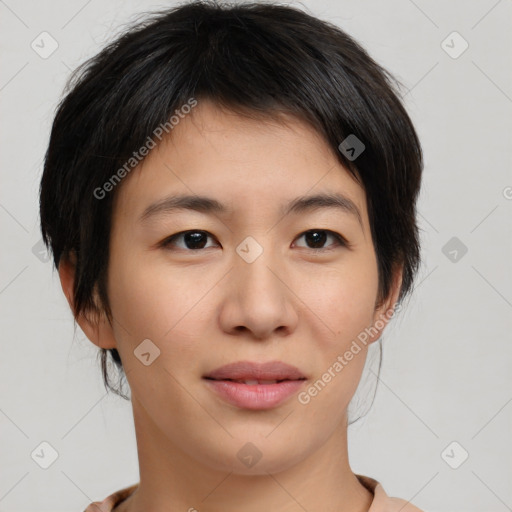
(316, 239)
(191, 240)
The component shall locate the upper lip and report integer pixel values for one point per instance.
(247, 370)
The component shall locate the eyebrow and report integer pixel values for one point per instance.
(209, 205)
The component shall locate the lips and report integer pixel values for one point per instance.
(255, 386)
(256, 373)
(253, 382)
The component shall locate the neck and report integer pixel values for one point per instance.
(170, 479)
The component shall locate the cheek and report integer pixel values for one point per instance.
(343, 308)
(342, 299)
(154, 300)
(138, 303)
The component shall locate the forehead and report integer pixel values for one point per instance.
(247, 164)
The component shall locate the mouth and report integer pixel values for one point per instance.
(254, 394)
(255, 382)
(254, 371)
(255, 386)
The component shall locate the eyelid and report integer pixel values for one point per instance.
(168, 240)
(340, 239)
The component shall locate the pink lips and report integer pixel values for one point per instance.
(259, 386)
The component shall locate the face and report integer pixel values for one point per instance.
(251, 281)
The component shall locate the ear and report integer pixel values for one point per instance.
(95, 325)
(385, 311)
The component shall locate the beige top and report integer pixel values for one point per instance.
(381, 501)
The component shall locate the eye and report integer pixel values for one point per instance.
(317, 238)
(193, 240)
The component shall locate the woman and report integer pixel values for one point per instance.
(229, 196)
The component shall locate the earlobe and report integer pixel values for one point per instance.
(94, 325)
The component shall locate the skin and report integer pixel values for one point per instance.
(207, 307)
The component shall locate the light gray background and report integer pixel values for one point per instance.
(446, 373)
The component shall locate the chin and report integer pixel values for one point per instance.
(255, 454)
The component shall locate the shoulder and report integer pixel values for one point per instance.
(108, 504)
(398, 505)
(381, 501)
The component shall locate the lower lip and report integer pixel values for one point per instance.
(257, 396)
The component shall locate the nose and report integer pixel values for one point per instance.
(258, 300)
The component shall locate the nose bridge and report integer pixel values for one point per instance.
(261, 300)
(255, 268)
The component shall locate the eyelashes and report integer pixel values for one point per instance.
(192, 238)
(195, 240)
(339, 239)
